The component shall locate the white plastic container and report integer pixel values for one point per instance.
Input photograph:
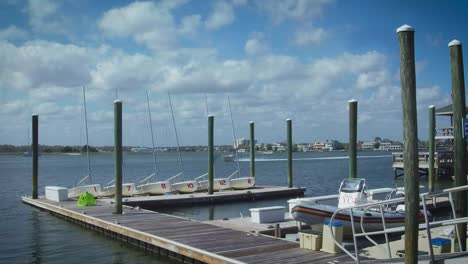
(267, 214)
(56, 193)
(328, 244)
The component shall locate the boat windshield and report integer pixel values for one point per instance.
(352, 185)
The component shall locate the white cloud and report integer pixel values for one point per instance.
(151, 24)
(256, 45)
(309, 37)
(43, 16)
(12, 33)
(222, 15)
(190, 25)
(372, 79)
(299, 10)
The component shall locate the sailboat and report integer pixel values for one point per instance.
(185, 186)
(238, 183)
(218, 183)
(146, 186)
(94, 189)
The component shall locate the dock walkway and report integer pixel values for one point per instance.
(188, 241)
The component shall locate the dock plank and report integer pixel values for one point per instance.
(196, 240)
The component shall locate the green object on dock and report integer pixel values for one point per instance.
(352, 138)
(252, 149)
(35, 155)
(410, 138)
(118, 155)
(210, 154)
(431, 147)
(86, 199)
(459, 143)
(290, 169)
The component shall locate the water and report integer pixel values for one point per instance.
(31, 236)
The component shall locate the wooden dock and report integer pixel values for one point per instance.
(182, 239)
(443, 163)
(222, 197)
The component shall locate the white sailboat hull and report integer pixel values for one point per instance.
(185, 187)
(94, 189)
(128, 189)
(242, 183)
(160, 187)
(218, 184)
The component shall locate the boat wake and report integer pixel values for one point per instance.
(319, 158)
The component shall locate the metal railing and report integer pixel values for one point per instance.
(385, 231)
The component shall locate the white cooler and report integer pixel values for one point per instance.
(56, 193)
(267, 214)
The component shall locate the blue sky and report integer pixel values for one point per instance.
(276, 59)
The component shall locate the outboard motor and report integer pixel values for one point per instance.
(352, 192)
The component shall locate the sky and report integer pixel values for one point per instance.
(298, 59)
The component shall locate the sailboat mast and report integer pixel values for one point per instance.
(87, 140)
(177, 137)
(152, 135)
(235, 139)
(206, 104)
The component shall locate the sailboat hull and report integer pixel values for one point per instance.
(242, 183)
(128, 189)
(94, 189)
(185, 187)
(160, 187)
(218, 184)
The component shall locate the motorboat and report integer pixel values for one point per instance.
(351, 192)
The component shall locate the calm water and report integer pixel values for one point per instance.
(31, 236)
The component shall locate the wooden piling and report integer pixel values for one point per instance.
(118, 156)
(432, 125)
(252, 149)
(35, 155)
(458, 98)
(210, 153)
(352, 138)
(410, 137)
(289, 139)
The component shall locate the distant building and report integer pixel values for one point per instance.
(242, 142)
(367, 145)
(327, 145)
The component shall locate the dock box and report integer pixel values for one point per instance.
(56, 193)
(310, 240)
(328, 243)
(441, 245)
(267, 214)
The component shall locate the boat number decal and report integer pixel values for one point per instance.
(163, 186)
(190, 185)
(222, 182)
(129, 187)
(249, 181)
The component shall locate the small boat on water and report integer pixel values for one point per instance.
(351, 192)
(94, 189)
(229, 157)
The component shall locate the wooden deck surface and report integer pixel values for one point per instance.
(195, 240)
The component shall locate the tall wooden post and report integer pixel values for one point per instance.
(289, 139)
(118, 155)
(352, 138)
(210, 154)
(35, 155)
(410, 137)
(252, 149)
(459, 112)
(432, 125)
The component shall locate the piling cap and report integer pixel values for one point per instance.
(405, 28)
(35, 114)
(352, 101)
(431, 106)
(251, 122)
(454, 43)
(117, 101)
(210, 116)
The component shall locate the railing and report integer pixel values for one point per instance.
(385, 231)
(444, 133)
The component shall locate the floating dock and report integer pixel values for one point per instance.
(222, 197)
(182, 239)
